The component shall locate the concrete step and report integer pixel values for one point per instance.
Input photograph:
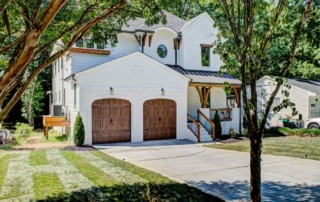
(204, 134)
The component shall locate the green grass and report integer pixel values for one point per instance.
(4, 163)
(144, 173)
(299, 132)
(9, 145)
(48, 186)
(54, 137)
(299, 147)
(38, 158)
(95, 175)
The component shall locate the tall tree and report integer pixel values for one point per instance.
(32, 101)
(29, 29)
(247, 28)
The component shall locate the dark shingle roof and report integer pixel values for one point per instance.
(173, 22)
(309, 85)
(202, 76)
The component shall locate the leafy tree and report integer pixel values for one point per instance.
(29, 29)
(247, 28)
(32, 101)
(78, 131)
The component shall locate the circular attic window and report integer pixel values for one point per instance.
(162, 51)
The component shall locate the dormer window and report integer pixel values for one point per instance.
(89, 43)
(79, 43)
(205, 55)
(162, 51)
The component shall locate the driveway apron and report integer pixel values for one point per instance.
(223, 173)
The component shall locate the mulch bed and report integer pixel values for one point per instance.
(233, 139)
(74, 148)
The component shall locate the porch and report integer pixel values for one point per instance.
(204, 100)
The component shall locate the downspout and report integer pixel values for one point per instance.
(240, 107)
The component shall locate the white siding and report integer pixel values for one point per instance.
(127, 44)
(200, 32)
(297, 95)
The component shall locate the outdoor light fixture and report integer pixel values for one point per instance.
(163, 92)
(111, 91)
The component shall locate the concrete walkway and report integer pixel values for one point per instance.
(221, 172)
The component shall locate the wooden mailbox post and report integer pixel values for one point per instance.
(49, 121)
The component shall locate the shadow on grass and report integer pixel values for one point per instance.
(137, 192)
(271, 191)
(9, 145)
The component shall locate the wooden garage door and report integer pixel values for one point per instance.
(159, 119)
(111, 121)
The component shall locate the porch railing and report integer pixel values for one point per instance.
(206, 123)
(197, 126)
(224, 113)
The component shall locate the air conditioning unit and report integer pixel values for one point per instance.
(57, 110)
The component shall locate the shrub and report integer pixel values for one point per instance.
(217, 123)
(232, 132)
(299, 132)
(78, 131)
(23, 130)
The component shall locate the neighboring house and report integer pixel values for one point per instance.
(143, 88)
(304, 93)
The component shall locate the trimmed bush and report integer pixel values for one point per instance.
(78, 131)
(217, 124)
(23, 130)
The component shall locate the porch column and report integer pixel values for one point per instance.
(237, 91)
(203, 92)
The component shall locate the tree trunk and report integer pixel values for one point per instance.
(31, 121)
(255, 167)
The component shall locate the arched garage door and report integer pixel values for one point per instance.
(159, 119)
(111, 121)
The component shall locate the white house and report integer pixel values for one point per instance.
(158, 82)
(304, 93)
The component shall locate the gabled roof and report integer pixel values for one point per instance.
(308, 85)
(173, 22)
(207, 77)
(312, 86)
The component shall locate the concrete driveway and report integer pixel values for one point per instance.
(221, 172)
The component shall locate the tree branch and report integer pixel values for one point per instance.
(285, 70)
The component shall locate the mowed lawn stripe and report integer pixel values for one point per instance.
(4, 164)
(47, 186)
(94, 174)
(141, 172)
(38, 158)
(116, 172)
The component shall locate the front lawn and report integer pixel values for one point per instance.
(61, 175)
(299, 147)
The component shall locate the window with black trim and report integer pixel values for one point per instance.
(162, 51)
(79, 43)
(89, 43)
(205, 56)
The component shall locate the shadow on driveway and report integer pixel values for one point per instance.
(271, 191)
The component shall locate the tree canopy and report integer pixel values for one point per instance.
(29, 29)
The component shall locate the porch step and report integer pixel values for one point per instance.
(204, 134)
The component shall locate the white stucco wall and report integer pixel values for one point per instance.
(199, 32)
(193, 101)
(161, 37)
(218, 98)
(135, 78)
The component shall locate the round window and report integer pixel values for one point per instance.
(162, 51)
